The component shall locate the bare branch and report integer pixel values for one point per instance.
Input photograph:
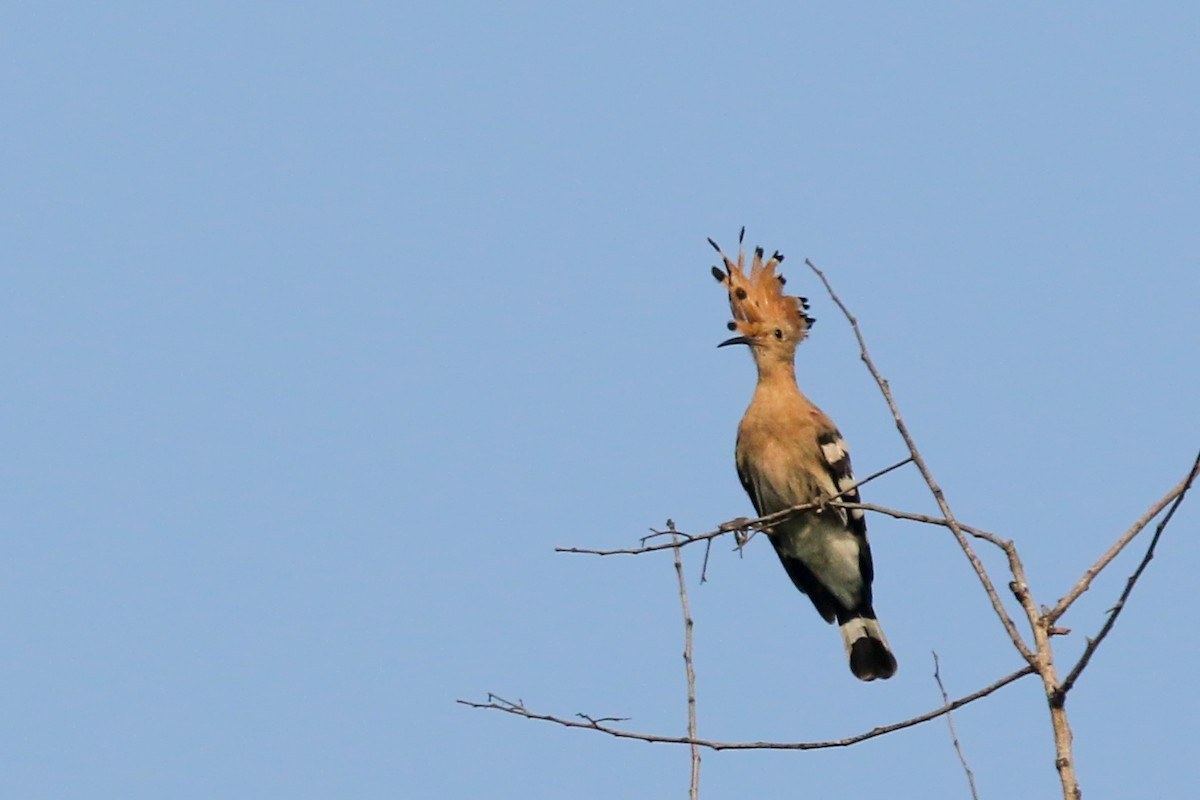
(732, 526)
(598, 720)
(925, 518)
(937, 676)
(694, 788)
(1019, 585)
(521, 711)
(1175, 495)
(1115, 611)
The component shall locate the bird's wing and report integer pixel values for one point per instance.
(836, 459)
(750, 487)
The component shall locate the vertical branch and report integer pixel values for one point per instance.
(937, 676)
(694, 790)
(1041, 655)
(1063, 741)
(1019, 583)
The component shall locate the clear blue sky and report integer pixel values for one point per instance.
(323, 324)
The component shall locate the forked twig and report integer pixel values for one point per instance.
(1174, 496)
(1093, 643)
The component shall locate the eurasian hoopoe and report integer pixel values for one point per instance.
(789, 452)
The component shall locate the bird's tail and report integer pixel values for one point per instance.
(867, 648)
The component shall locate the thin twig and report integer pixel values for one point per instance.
(521, 711)
(762, 522)
(1093, 643)
(978, 533)
(733, 526)
(937, 676)
(955, 528)
(694, 789)
(1175, 495)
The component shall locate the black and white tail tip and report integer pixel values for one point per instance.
(867, 648)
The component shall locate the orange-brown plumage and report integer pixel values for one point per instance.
(756, 298)
(790, 453)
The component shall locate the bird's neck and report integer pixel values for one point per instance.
(776, 375)
(777, 390)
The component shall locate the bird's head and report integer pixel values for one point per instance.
(770, 322)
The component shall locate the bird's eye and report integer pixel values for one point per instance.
(778, 333)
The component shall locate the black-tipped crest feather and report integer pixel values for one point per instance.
(756, 292)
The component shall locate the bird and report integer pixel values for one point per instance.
(789, 453)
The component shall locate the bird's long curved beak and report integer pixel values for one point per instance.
(746, 340)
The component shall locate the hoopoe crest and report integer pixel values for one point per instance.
(790, 453)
